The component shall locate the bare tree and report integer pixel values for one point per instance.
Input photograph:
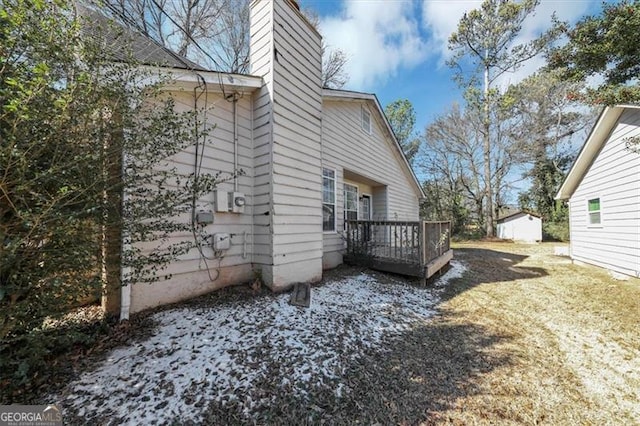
(212, 32)
(142, 15)
(175, 24)
(231, 47)
(454, 154)
(452, 161)
(334, 60)
(485, 39)
(198, 21)
(334, 74)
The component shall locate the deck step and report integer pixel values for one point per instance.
(301, 295)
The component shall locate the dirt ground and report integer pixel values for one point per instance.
(553, 342)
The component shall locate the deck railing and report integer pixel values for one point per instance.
(385, 239)
(412, 244)
(437, 240)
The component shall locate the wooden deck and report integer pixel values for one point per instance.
(418, 249)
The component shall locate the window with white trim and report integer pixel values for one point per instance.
(594, 211)
(366, 120)
(328, 200)
(350, 202)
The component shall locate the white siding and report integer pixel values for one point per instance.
(346, 146)
(261, 54)
(285, 51)
(380, 203)
(614, 177)
(297, 110)
(521, 227)
(191, 274)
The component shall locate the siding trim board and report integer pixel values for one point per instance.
(217, 82)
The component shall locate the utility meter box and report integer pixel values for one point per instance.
(237, 201)
(221, 201)
(221, 241)
(204, 217)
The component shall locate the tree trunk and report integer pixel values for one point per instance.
(487, 156)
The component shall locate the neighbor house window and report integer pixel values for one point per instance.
(328, 200)
(366, 120)
(350, 202)
(593, 208)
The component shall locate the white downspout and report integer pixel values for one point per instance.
(125, 298)
(235, 142)
(253, 189)
(125, 290)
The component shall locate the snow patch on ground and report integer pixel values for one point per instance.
(223, 353)
(456, 270)
(607, 370)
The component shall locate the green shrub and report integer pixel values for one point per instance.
(31, 361)
(70, 109)
(555, 231)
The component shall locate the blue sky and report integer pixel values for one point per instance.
(398, 48)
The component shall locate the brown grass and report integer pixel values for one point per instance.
(523, 337)
(569, 351)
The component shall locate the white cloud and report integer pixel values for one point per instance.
(379, 38)
(441, 19)
(384, 37)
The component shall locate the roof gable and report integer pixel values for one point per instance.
(518, 213)
(598, 136)
(372, 99)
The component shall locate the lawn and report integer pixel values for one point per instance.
(556, 343)
(511, 335)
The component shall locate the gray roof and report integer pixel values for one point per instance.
(516, 213)
(126, 44)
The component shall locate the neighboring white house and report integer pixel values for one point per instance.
(520, 226)
(603, 192)
(310, 157)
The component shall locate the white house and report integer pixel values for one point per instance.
(603, 192)
(520, 226)
(310, 157)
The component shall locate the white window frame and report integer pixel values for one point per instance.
(365, 112)
(589, 212)
(344, 195)
(335, 196)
